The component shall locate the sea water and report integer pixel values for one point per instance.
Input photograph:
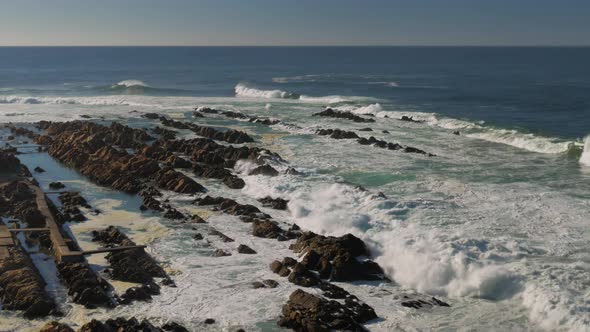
(497, 224)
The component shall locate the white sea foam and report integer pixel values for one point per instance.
(244, 91)
(585, 157)
(130, 83)
(526, 141)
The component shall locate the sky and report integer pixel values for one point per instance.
(294, 22)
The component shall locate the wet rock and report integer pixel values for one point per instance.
(39, 170)
(209, 321)
(151, 116)
(410, 119)
(128, 325)
(85, 287)
(339, 255)
(301, 276)
(164, 133)
(230, 136)
(337, 133)
(274, 203)
(54, 326)
(198, 236)
(385, 131)
(132, 265)
(289, 261)
(174, 327)
(89, 148)
(223, 237)
(197, 219)
(328, 112)
(234, 182)
(9, 163)
(174, 214)
(207, 110)
(276, 266)
(244, 249)
(56, 185)
(418, 301)
(21, 286)
(264, 170)
(221, 253)
(366, 129)
(456, 132)
(292, 171)
(266, 229)
(270, 283)
(307, 312)
(141, 293)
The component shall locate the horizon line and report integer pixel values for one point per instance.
(319, 46)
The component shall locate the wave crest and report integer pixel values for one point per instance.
(244, 91)
(130, 83)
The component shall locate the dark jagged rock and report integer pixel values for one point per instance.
(164, 133)
(366, 129)
(174, 214)
(207, 110)
(230, 206)
(264, 170)
(221, 253)
(343, 115)
(292, 171)
(89, 148)
(151, 116)
(456, 132)
(244, 249)
(39, 170)
(391, 146)
(223, 237)
(209, 321)
(410, 119)
(9, 163)
(289, 261)
(56, 185)
(337, 133)
(129, 325)
(54, 326)
(339, 256)
(234, 182)
(71, 201)
(21, 286)
(141, 293)
(275, 203)
(174, 327)
(197, 219)
(133, 265)
(301, 276)
(307, 312)
(419, 301)
(230, 136)
(85, 286)
(198, 236)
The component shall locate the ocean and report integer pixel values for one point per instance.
(497, 223)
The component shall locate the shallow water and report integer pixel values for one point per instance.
(496, 224)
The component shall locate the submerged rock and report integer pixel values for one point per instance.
(275, 203)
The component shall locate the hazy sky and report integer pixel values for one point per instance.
(295, 22)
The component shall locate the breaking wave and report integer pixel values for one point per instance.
(585, 157)
(244, 91)
(130, 83)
